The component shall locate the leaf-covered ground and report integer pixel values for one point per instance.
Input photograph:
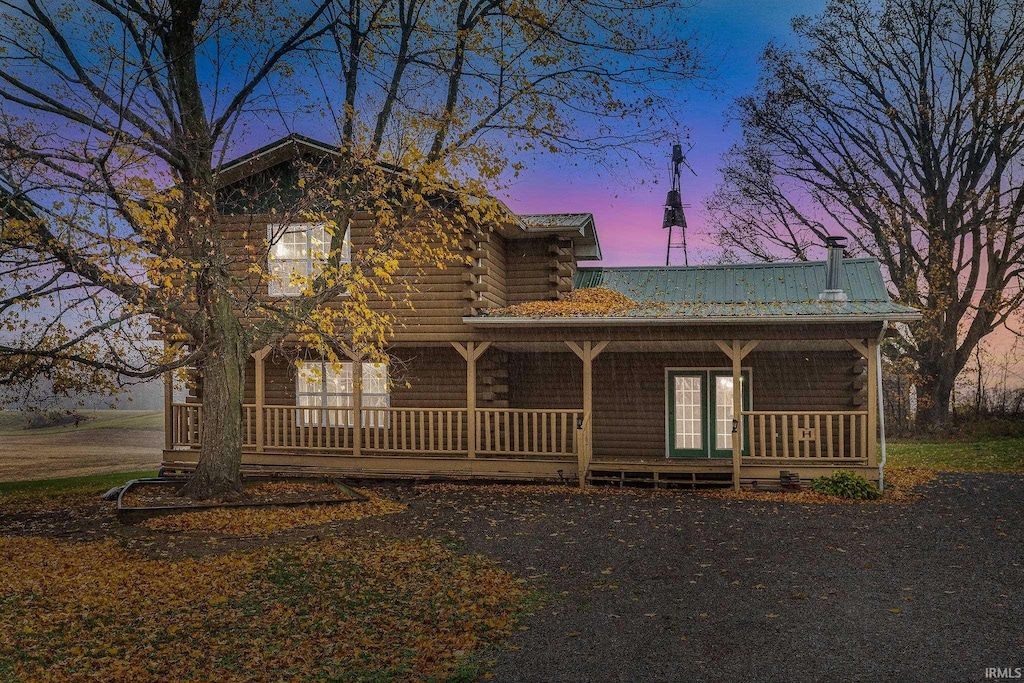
(636, 585)
(281, 603)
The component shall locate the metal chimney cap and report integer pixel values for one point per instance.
(836, 241)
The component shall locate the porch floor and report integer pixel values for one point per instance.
(635, 471)
(659, 472)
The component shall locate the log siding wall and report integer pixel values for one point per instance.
(629, 389)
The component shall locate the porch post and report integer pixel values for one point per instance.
(168, 406)
(258, 357)
(872, 403)
(357, 406)
(737, 414)
(587, 353)
(866, 348)
(471, 352)
(357, 397)
(737, 351)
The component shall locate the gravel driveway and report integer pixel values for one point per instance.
(677, 587)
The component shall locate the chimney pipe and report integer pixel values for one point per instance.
(834, 270)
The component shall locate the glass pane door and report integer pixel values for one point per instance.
(687, 414)
(724, 412)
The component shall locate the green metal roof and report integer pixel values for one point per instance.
(753, 290)
(759, 283)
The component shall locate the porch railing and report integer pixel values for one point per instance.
(810, 436)
(186, 424)
(320, 427)
(436, 431)
(430, 431)
(772, 435)
(507, 431)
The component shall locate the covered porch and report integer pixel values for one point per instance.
(575, 410)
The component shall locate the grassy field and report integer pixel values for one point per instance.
(992, 454)
(108, 441)
(12, 422)
(43, 488)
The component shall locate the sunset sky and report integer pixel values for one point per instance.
(628, 215)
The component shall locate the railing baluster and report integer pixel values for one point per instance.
(785, 436)
(515, 432)
(487, 430)
(829, 444)
(543, 435)
(565, 432)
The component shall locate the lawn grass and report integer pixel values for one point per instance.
(45, 488)
(990, 454)
(12, 422)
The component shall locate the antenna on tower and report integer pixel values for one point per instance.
(675, 219)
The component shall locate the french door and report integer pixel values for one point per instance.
(701, 414)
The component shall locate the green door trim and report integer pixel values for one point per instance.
(708, 392)
(713, 398)
(674, 452)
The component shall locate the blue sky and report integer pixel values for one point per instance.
(628, 215)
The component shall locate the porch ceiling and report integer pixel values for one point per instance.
(660, 346)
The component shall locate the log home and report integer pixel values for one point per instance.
(715, 374)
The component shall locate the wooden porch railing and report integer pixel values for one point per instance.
(422, 431)
(811, 435)
(508, 431)
(186, 424)
(435, 431)
(323, 428)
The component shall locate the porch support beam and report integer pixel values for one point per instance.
(168, 407)
(471, 353)
(357, 396)
(859, 346)
(258, 358)
(357, 406)
(736, 351)
(587, 353)
(867, 348)
(873, 406)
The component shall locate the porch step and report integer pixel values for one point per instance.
(659, 475)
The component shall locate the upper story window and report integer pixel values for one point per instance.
(298, 251)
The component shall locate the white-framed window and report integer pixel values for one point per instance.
(299, 250)
(327, 385)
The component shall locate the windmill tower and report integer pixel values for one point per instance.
(675, 219)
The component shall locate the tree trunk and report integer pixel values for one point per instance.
(934, 388)
(218, 473)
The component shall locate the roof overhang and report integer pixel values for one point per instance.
(271, 154)
(295, 145)
(508, 321)
(579, 227)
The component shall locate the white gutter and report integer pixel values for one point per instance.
(501, 321)
(881, 405)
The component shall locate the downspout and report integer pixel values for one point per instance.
(881, 405)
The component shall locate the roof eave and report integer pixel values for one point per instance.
(503, 321)
(588, 245)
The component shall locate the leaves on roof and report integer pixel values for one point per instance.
(593, 301)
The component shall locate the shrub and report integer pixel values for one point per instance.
(845, 484)
(38, 418)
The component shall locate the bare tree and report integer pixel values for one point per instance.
(115, 115)
(902, 125)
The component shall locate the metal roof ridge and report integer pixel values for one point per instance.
(724, 266)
